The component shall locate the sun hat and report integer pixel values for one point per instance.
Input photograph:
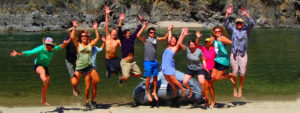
(49, 41)
(239, 20)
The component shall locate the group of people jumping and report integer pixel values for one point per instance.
(208, 62)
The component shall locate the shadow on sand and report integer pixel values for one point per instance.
(62, 109)
(175, 103)
(222, 105)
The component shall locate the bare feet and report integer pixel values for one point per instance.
(155, 96)
(190, 94)
(149, 97)
(240, 94)
(45, 103)
(212, 105)
(235, 92)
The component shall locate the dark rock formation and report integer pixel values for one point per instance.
(48, 15)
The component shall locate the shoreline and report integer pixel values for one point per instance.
(246, 106)
(160, 25)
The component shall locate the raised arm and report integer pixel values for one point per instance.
(164, 37)
(107, 11)
(183, 46)
(170, 28)
(139, 35)
(184, 33)
(198, 35)
(251, 21)
(94, 42)
(134, 35)
(120, 32)
(73, 33)
(103, 45)
(65, 43)
(227, 25)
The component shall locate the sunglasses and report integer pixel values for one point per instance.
(83, 35)
(239, 23)
(152, 32)
(218, 31)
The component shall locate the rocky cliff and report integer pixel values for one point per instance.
(48, 15)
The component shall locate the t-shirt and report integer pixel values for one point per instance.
(127, 43)
(150, 49)
(194, 61)
(209, 56)
(71, 52)
(95, 50)
(43, 56)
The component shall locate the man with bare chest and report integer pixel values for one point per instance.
(112, 61)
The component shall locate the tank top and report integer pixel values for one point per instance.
(84, 56)
(150, 49)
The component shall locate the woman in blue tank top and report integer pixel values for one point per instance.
(168, 64)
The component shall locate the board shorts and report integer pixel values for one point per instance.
(150, 68)
(129, 67)
(239, 64)
(113, 65)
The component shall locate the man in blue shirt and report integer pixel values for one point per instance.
(239, 37)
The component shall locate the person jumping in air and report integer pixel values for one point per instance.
(239, 56)
(112, 61)
(84, 62)
(128, 66)
(44, 55)
(150, 59)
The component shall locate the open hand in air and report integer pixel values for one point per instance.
(185, 31)
(95, 25)
(170, 27)
(13, 53)
(106, 10)
(198, 34)
(74, 22)
(122, 16)
(229, 9)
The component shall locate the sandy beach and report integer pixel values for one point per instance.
(266, 106)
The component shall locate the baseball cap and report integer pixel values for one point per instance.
(49, 41)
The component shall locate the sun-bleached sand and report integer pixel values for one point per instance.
(265, 106)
